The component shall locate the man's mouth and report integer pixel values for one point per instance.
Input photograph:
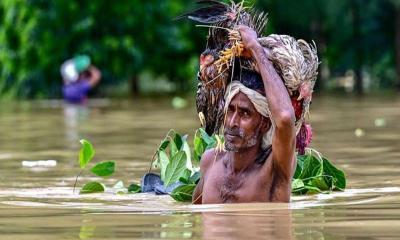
(231, 134)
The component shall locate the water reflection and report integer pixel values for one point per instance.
(74, 116)
(274, 224)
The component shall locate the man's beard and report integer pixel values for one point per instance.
(249, 141)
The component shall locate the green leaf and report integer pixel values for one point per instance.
(297, 184)
(186, 149)
(86, 153)
(313, 190)
(104, 169)
(92, 187)
(317, 174)
(119, 184)
(173, 148)
(338, 177)
(320, 183)
(119, 188)
(164, 161)
(183, 193)
(134, 188)
(210, 141)
(195, 178)
(312, 167)
(185, 176)
(164, 144)
(175, 168)
(199, 147)
(178, 141)
(299, 165)
(184, 180)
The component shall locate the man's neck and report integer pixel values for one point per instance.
(244, 158)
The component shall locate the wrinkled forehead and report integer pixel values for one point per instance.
(240, 100)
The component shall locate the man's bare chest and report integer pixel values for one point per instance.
(221, 186)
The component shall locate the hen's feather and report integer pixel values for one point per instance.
(213, 13)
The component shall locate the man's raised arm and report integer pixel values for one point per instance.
(282, 113)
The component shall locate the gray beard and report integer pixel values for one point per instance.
(251, 142)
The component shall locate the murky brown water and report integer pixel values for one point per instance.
(38, 202)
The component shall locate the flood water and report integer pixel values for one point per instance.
(361, 136)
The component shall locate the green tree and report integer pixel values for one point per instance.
(123, 39)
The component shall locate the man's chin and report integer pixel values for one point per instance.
(231, 147)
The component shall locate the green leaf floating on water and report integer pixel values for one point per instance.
(297, 184)
(175, 169)
(338, 177)
(92, 187)
(163, 163)
(86, 153)
(104, 169)
(183, 193)
(134, 188)
(312, 166)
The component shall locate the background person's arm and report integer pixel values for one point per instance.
(282, 113)
(94, 76)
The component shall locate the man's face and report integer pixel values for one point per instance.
(244, 126)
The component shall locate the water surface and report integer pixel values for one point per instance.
(361, 136)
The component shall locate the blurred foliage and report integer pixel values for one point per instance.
(131, 37)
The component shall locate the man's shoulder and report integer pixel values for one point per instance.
(208, 157)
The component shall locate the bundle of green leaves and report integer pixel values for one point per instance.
(173, 158)
(314, 173)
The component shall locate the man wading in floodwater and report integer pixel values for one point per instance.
(259, 132)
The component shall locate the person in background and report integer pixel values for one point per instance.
(79, 77)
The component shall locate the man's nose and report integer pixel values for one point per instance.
(234, 120)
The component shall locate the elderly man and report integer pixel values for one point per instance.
(259, 132)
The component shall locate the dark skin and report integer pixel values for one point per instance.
(233, 176)
(92, 75)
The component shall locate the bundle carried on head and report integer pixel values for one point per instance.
(296, 62)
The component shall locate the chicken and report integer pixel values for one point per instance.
(296, 61)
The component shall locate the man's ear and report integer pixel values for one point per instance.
(265, 124)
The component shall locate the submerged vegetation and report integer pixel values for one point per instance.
(179, 166)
